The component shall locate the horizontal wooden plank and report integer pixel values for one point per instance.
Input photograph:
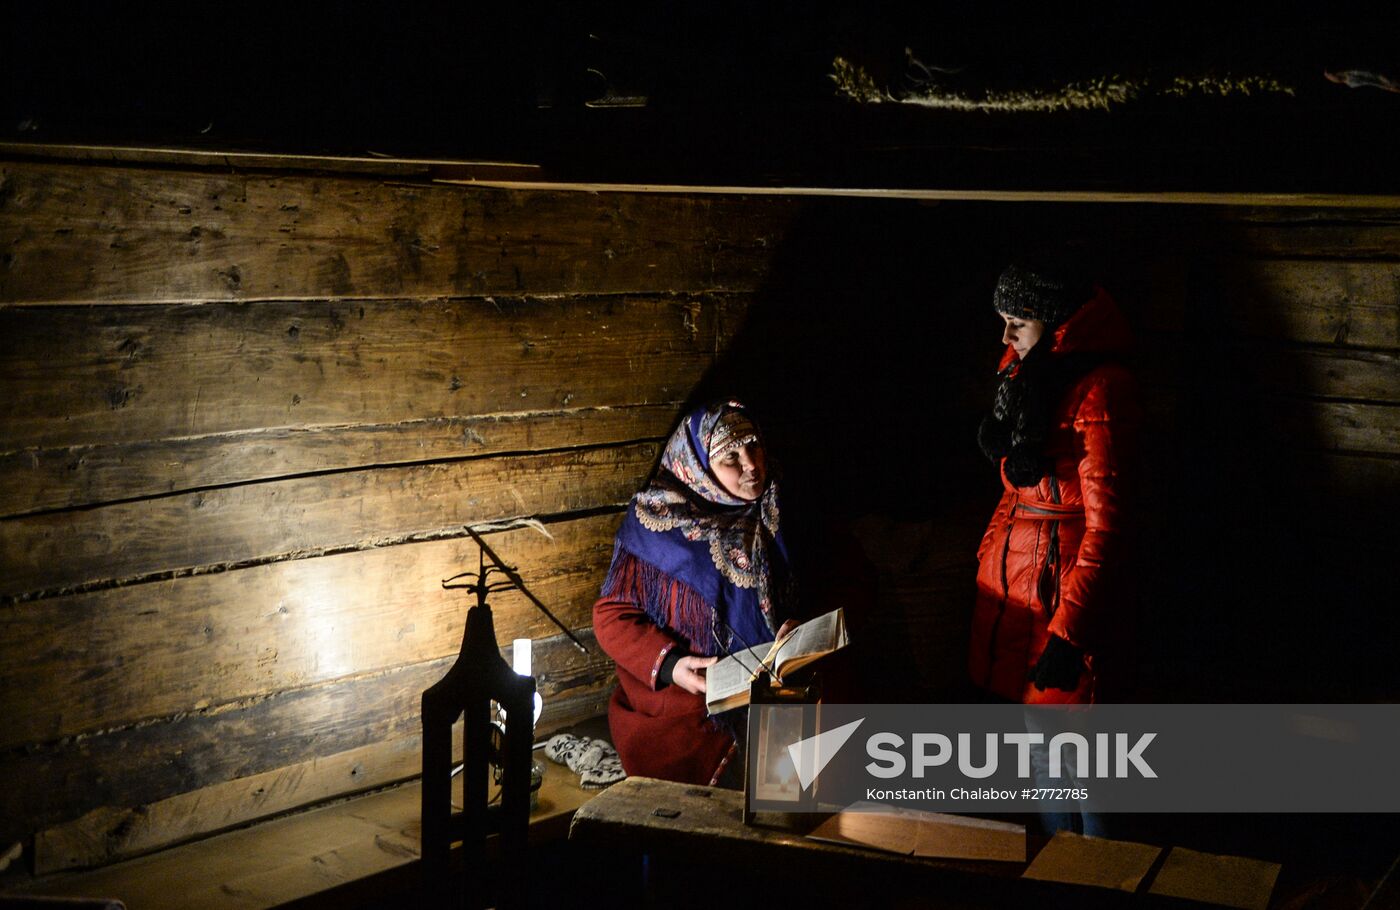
(1318, 232)
(1258, 421)
(139, 765)
(1369, 376)
(101, 234)
(43, 479)
(60, 551)
(112, 833)
(359, 852)
(1262, 366)
(1296, 217)
(1352, 304)
(114, 657)
(259, 867)
(1348, 304)
(81, 376)
(229, 160)
(1339, 426)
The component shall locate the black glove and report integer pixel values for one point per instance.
(1060, 666)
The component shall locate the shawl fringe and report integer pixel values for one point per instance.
(670, 603)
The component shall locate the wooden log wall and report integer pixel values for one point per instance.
(245, 419)
(247, 414)
(1273, 385)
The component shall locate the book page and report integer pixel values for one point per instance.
(733, 674)
(816, 636)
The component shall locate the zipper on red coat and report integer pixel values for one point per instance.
(1005, 595)
(1033, 594)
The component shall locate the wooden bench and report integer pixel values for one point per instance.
(690, 844)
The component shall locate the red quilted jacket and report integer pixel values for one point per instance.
(1078, 513)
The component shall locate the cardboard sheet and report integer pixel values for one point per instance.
(1095, 861)
(1231, 881)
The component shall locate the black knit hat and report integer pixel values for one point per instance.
(1033, 292)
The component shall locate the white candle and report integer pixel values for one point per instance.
(520, 656)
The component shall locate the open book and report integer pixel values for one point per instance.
(727, 682)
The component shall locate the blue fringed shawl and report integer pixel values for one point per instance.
(699, 561)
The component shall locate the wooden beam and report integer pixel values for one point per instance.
(1319, 234)
(531, 176)
(1265, 366)
(77, 376)
(93, 234)
(1335, 426)
(35, 480)
(138, 765)
(110, 833)
(336, 856)
(969, 194)
(111, 658)
(220, 529)
(1349, 304)
(232, 159)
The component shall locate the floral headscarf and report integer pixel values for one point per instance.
(685, 527)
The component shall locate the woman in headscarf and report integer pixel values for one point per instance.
(699, 569)
(1052, 598)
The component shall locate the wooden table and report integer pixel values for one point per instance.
(348, 854)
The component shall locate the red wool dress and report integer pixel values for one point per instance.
(1053, 557)
(662, 732)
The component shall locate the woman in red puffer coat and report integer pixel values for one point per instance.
(1053, 600)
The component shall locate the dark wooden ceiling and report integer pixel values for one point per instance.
(726, 94)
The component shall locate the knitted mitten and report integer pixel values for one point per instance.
(607, 772)
(564, 748)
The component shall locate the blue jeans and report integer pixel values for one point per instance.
(1061, 818)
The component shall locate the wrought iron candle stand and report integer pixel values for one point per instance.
(479, 676)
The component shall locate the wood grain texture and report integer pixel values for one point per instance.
(1347, 304)
(1263, 366)
(112, 833)
(46, 479)
(1335, 426)
(103, 234)
(115, 657)
(146, 763)
(307, 516)
(264, 866)
(77, 376)
(1315, 233)
(1362, 376)
(368, 844)
(1281, 424)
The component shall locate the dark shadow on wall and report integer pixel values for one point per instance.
(870, 355)
(1274, 572)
